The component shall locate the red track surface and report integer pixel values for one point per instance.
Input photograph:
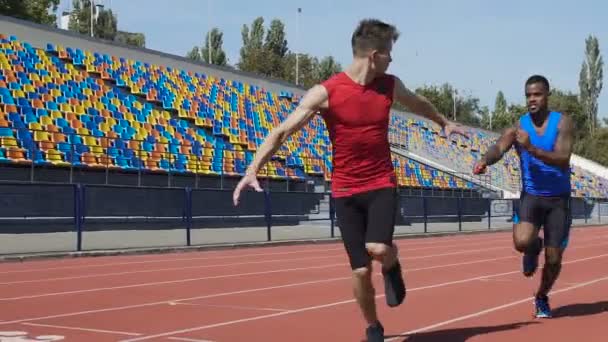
(460, 288)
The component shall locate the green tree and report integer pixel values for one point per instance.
(484, 118)
(131, 38)
(591, 80)
(276, 49)
(252, 57)
(264, 52)
(594, 147)
(307, 68)
(500, 104)
(218, 56)
(443, 97)
(500, 117)
(105, 24)
(327, 67)
(32, 10)
(195, 54)
(569, 103)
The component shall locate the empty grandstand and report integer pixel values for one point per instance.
(75, 110)
(68, 107)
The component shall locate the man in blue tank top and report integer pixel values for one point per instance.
(543, 140)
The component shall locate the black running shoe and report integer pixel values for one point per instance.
(394, 285)
(375, 332)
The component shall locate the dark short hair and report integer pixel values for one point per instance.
(538, 79)
(373, 34)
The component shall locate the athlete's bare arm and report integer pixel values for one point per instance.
(315, 100)
(497, 150)
(502, 145)
(417, 103)
(562, 152)
(420, 105)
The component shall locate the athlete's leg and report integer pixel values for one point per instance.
(557, 231)
(352, 218)
(382, 211)
(551, 270)
(365, 294)
(525, 237)
(526, 223)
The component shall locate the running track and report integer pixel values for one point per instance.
(460, 288)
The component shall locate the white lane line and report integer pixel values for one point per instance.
(237, 256)
(327, 280)
(223, 294)
(493, 309)
(82, 329)
(45, 280)
(227, 306)
(188, 339)
(468, 251)
(234, 275)
(349, 301)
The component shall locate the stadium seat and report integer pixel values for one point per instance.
(58, 106)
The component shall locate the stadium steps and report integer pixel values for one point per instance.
(174, 114)
(483, 186)
(125, 90)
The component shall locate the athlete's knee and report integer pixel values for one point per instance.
(378, 250)
(525, 237)
(362, 273)
(522, 244)
(553, 257)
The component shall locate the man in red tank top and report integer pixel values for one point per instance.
(355, 105)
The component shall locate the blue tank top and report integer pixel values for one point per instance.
(539, 178)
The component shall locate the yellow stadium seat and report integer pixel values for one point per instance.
(41, 136)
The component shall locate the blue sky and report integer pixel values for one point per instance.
(478, 46)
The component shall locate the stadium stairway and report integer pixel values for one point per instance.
(305, 172)
(482, 185)
(125, 89)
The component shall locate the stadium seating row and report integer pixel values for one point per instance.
(460, 154)
(64, 106)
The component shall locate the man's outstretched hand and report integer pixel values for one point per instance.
(480, 168)
(250, 180)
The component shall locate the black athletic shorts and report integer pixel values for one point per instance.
(552, 213)
(366, 217)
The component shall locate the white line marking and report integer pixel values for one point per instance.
(215, 257)
(135, 306)
(83, 329)
(471, 251)
(349, 301)
(196, 267)
(161, 270)
(227, 306)
(496, 308)
(237, 256)
(15, 336)
(496, 280)
(234, 275)
(326, 280)
(571, 283)
(188, 339)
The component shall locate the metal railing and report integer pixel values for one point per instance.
(37, 217)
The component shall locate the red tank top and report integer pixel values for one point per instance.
(357, 121)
